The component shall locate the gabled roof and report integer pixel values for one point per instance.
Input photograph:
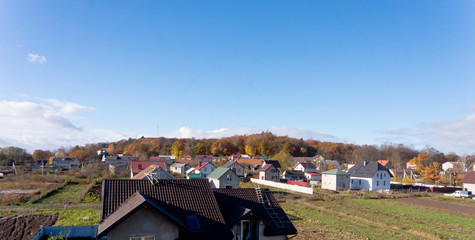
(235, 204)
(469, 178)
(195, 176)
(266, 167)
(249, 161)
(368, 170)
(275, 163)
(178, 165)
(179, 198)
(306, 165)
(204, 156)
(163, 174)
(218, 172)
(230, 164)
(336, 172)
(135, 165)
(202, 165)
(156, 158)
(294, 173)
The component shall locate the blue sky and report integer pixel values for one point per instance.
(73, 72)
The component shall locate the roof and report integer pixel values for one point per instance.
(273, 162)
(249, 161)
(236, 155)
(336, 172)
(266, 167)
(313, 173)
(138, 166)
(469, 178)
(295, 173)
(163, 173)
(154, 158)
(306, 165)
(204, 156)
(230, 164)
(368, 170)
(178, 165)
(195, 176)
(202, 165)
(238, 203)
(384, 163)
(218, 172)
(175, 198)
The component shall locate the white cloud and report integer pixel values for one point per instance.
(186, 132)
(34, 58)
(447, 136)
(48, 125)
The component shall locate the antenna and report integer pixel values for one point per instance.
(158, 126)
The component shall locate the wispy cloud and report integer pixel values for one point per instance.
(448, 136)
(34, 58)
(49, 124)
(186, 132)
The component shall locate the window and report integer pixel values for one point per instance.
(142, 238)
(243, 230)
(228, 177)
(377, 183)
(352, 181)
(193, 223)
(384, 183)
(380, 176)
(360, 181)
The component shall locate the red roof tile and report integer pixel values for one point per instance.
(202, 164)
(138, 166)
(469, 178)
(249, 161)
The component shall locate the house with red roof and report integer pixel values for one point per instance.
(204, 158)
(205, 169)
(469, 182)
(137, 166)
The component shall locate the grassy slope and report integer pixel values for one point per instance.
(65, 195)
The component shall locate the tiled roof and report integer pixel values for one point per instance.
(306, 165)
(195, 176)
(202, 165)
(235, 203)
(469, 178)
(273, 162)
(294, 173)
(266, 167)
(178, 165)
(163, 173)
(368, 170)
(204, 156)
(138, 166)
(249, 161)
(218, 172)
(154, 158)
(230, 164)
(178, 197)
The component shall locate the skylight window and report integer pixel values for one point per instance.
(193, 222)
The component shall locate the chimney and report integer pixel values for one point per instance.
(365, 162)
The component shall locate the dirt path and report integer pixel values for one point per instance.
(19, 227)
(463, 210)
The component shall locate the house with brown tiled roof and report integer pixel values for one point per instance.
(275, 163)
(469, 182)
(250, 161)
(189, 209)
(269, 173)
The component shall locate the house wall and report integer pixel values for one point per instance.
(272, 174)
(469, 187)
(263, 237)
(224, 182)
(206, 170)
(380, 181)
(144, 222)
(360, 183)
(335, 182)
(239, 170)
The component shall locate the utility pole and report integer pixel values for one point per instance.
(158, 126)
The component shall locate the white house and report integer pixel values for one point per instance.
(371, 176)
(180, 168)
(469, 182)
(305, 167)
(448, 165)
(223, 178)
(205, 168)
(335, 179)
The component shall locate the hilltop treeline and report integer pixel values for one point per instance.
(263, 144)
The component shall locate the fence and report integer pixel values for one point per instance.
(295, 188)
(303, 184)
(88, 231)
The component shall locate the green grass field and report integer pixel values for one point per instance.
(65, 195)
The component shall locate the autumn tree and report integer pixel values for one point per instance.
(177, 149)
(222, 147)
(39, 154)
(284, 158)
(330, 166)
(431, 172)
(80, 154)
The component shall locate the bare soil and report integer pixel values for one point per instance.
(463, 210)
(24, 226)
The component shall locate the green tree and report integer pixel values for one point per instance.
(284, 158)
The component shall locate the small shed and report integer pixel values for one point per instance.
(336, 180)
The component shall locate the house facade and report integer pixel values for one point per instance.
(269, 173)
(370, 176)
(137, 166)
(469, 182)
(448, 166)
(65, 162)
(205, 169)
(179, 168)
(293, 175)
(237, 168)
(305, 167)
(223, 178)
(336, 180)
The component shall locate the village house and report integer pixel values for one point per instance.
(205, 169)
(153, 172)
(336, 180)
(189, 209)
(305, 167)
(323, 165)
(448, 166)
(370, 176)
(293, 175)
(179, 168)
(204, 158)
(275, 163)
(235, 167)
(469, 182)
(313, 176)
(269, 173)
(223, 178)
(252, 164)
(117, 168)
(138, 166)
(388, 165)
(65, 162)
